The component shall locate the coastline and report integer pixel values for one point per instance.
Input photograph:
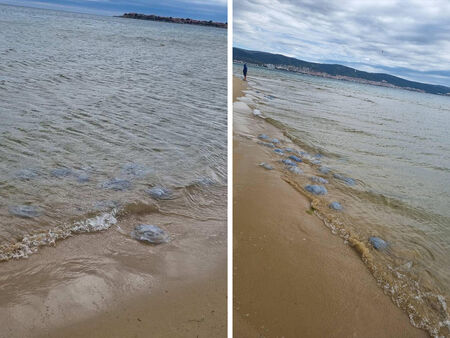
(239, 86)
(107, 284)
(186, 21)
(292, 276)
(338, 72)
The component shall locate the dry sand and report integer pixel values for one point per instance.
(109, 285)
(292, 276)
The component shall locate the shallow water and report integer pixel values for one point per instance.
(388, 154)
(95, 111)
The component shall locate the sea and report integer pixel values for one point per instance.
(385, 153)
(101, 117)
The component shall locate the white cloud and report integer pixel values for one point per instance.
(383, 33)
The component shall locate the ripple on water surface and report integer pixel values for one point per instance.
(384, 177)
(95, 115)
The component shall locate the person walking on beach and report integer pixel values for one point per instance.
(245, 72)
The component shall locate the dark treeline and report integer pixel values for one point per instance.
(174, 20)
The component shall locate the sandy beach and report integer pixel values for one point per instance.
(108, 285)
(292, 276)
(239, 85)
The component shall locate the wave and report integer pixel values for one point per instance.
(396, 205)
(197, 200)
(30, 243)
(424, 303)
(288, 132)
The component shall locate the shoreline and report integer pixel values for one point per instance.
(186, 21)
(313, 284)
(108, 284)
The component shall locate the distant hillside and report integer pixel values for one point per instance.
(339, 72)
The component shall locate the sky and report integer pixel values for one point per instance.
(215, 10)
(406, 38)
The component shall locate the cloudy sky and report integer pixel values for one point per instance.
(407, 38)
(215, 10)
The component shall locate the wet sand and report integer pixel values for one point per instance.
(292, 276)
(239, 85)
(109, 285)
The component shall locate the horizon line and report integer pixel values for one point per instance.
(339, 64)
